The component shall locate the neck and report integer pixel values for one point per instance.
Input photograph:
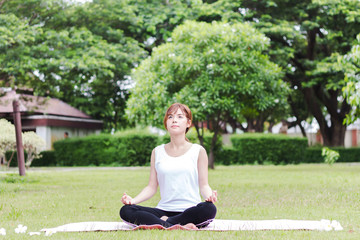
(178, 141)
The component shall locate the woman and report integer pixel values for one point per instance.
(180, 169)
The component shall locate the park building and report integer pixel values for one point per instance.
(50, 118)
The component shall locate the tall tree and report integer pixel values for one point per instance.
(306, 38)
(351, 65)
(43, 51)
(217, 69)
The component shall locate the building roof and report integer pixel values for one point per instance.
(31, 105)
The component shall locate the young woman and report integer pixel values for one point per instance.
(180, 169)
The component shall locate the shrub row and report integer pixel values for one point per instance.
(14, 162)
(313, 154)
(127, 149)
(134, 149)
(272, 148)
(47, 159)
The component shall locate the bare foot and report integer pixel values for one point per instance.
(191, 226)
(164, 218)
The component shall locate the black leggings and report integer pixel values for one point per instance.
(200, 215)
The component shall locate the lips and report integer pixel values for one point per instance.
(174, 126)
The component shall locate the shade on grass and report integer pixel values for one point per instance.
(53, 197)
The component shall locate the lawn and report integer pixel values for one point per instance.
(49, 197)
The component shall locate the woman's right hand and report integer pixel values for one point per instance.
(126, 199)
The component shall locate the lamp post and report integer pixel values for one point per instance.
(19, 144)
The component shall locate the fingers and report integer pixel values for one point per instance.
(212, 198)
(126, 199)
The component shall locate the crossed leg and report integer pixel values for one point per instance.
(200, 215)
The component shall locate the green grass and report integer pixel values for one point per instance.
(49, 197)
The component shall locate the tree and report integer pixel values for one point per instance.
(306, 39)
(42, 50)
(351, 65)
(7, 139)
(217, 69)
(33, 145)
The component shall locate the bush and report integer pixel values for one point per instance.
(227, 156)
(276, 149)
(313, 154)
(14, 161)
(124, 148)
(46, 159)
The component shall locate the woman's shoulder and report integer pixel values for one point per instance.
(198, 147)
(157, 148)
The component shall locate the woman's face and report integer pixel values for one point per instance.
(177, 122)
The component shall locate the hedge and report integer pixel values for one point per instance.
(313, 154)
(227, 156)
(125, 149)
(133, 148)
(47, 159)
(14, 162)
(272, 148)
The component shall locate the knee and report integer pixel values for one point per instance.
(126, 211)
(209, 208)
(212, 208)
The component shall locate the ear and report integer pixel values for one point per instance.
(188, 125)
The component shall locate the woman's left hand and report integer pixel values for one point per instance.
(212, 198)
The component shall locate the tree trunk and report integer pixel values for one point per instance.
(200, 135)
(333, 135)
(211, 163)
(9, 161)
(255, 125)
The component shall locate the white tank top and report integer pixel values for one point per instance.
(178, 179)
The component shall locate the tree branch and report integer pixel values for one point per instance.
(2, 3)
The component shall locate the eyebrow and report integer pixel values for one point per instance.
(171, 114)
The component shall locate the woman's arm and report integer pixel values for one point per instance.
(148, 191)
(205, 189)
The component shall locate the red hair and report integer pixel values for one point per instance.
(173, 109)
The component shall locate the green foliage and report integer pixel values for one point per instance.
(307, 39)
(215, 68)
(125, 149)
(228, 156)
(14, 161)
(44, 159)
(7, 137)
(263, 148)
(351, 65)
(33, 144)
(47, 50)
(330, 156)
(314, 154)
(47, 158)
(219, 70)
(13, 178)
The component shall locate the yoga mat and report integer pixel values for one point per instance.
(216, 225)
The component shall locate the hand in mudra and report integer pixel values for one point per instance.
(212, 198)
(126, 199)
